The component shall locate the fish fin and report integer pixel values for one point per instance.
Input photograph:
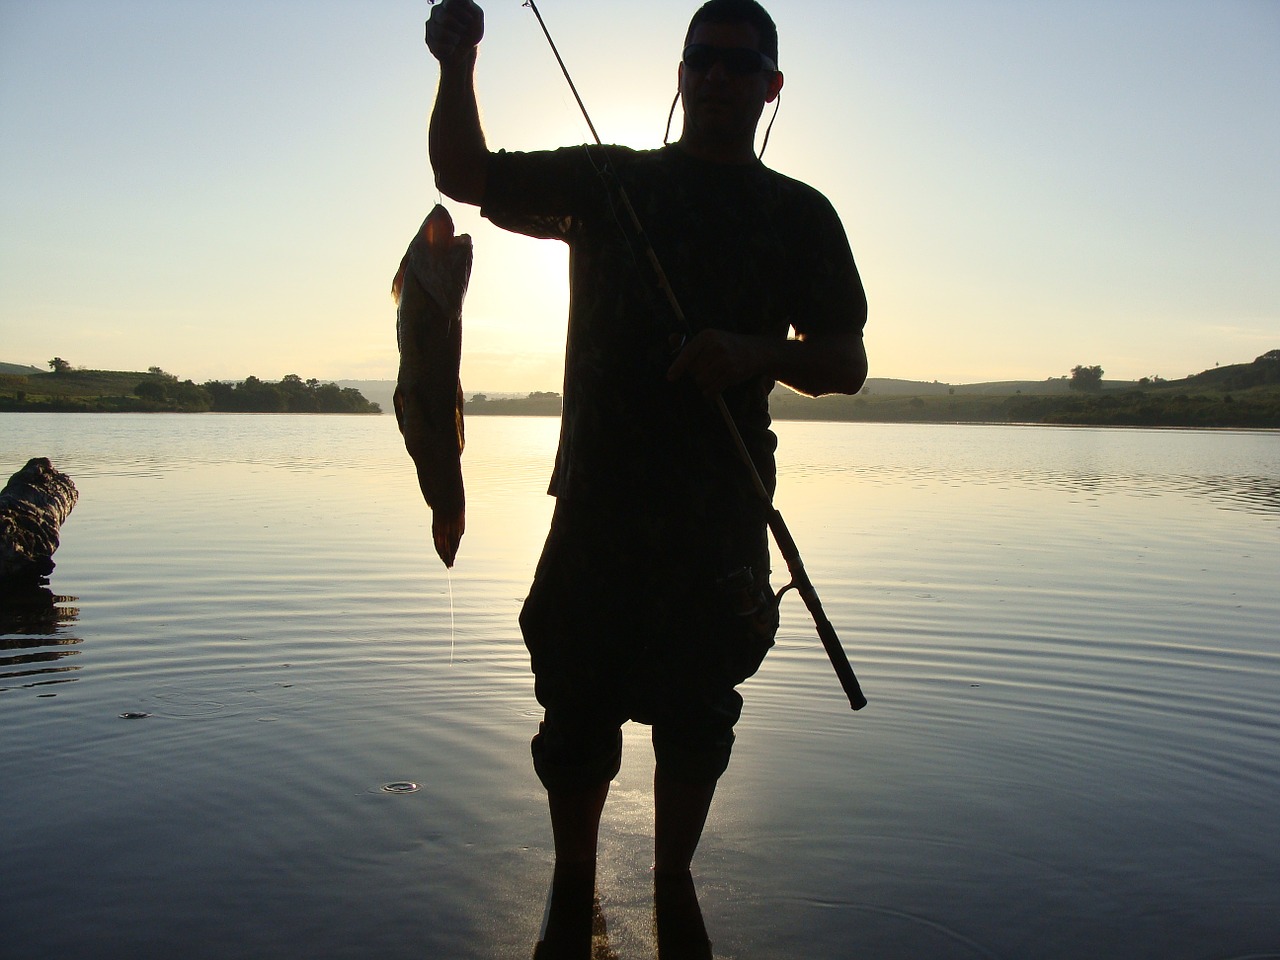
(397, 404)
(397, 283)
(457, 418)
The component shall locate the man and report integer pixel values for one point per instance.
(651, 601)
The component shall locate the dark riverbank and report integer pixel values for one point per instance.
(1240, 396)
(1243, 395)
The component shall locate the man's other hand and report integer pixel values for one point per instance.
(716, 360)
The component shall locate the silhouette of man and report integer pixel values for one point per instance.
(651, 600)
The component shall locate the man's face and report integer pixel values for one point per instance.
(721, 103)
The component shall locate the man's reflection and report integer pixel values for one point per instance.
(678, 919)
(572, 921)
(574, 927)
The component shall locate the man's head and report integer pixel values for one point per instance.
(739, 11)
(728, 72)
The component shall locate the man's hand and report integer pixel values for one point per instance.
(453, 31)
(716, 360)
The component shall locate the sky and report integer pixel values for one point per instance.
(225, 189)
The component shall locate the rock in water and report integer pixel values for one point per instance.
(34, 504)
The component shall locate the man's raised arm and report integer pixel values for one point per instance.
(455, 141)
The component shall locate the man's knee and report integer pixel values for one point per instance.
(695, 747)
(576, 755)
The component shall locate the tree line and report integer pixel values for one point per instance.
(291, 394)
(73, 389)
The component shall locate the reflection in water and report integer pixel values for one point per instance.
(677, 917)
(1235, 471)
(1252, 494)
(31, 618)
(574, 928)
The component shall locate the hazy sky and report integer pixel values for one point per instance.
(225, 189)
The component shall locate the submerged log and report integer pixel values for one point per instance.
(33, 506)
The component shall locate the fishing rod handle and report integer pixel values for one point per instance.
(826, 632)
(835, 652)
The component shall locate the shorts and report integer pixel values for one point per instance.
(627, 620)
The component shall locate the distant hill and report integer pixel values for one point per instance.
(1264, 371)
(380, 391)
(18, 369)
(375, 391)
(1240, 395)
(882, 387)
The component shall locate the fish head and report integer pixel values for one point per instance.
(436, 252)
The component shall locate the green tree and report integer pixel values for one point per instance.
(1086, 379)
(59, 365)
(299, 396)
(258, 396)
(291, 395)
(219, 394)
(153, 388)
(189, 396)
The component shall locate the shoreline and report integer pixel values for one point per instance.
(921, 421)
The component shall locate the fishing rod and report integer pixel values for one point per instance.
(800, 581)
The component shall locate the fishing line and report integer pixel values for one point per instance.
(449, 575)
(563, 69)
(661, 274)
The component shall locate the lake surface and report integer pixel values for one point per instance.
(1068, 638)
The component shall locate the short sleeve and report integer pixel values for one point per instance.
(540, 194)
(831, 299)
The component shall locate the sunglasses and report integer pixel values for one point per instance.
(742, 61)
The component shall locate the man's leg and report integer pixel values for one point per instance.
(692, 745)
(575, 827)
(680, 812)
(576, 755)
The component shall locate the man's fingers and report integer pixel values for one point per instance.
(454, 25)
(716, 360)
(681, 362)
(701, 362)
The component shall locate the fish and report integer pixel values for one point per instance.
(428, 290)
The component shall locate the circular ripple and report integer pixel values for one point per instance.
(401, 786)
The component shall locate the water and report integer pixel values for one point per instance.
(1067, 637)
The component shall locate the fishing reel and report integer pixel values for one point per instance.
(751, 598)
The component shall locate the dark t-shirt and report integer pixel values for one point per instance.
(746, 250)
